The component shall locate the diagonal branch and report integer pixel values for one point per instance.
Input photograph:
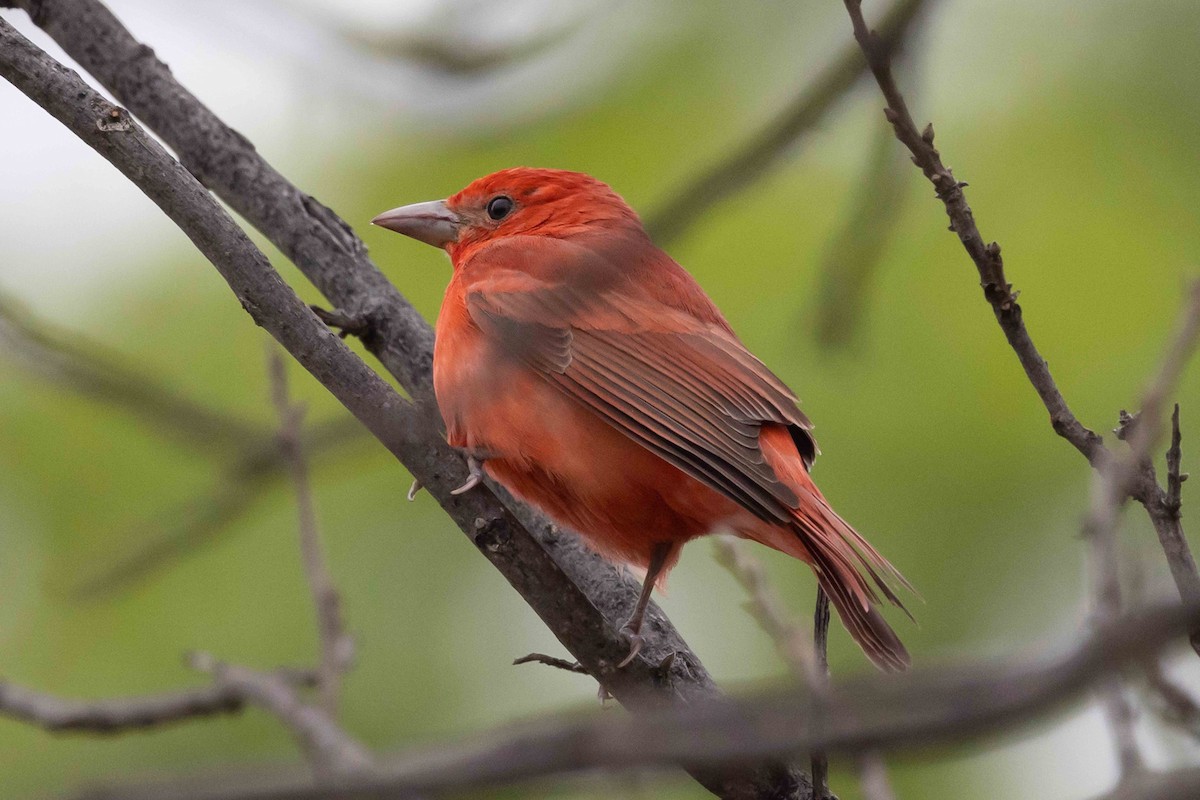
(1000, 295)
(580, 598)
(764, 149)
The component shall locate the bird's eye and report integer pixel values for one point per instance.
(499, 207)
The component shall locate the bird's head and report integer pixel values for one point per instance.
(521, 201)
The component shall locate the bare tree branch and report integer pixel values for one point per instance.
(872, 714)
(1175, 478)
(1003, 300)
(118, 715)
(112, 716)
(820, 688)
(449, 53)
(551, 661)
(856, 250)
(768, 610)
(331, 750)
(90, 369)
(763, 150)
(181, 528)
(337, 648)
(583, 600)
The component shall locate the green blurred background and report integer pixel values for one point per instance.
(1077, 126)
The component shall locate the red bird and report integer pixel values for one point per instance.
(591, 376)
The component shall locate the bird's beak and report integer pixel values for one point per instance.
(432, 223)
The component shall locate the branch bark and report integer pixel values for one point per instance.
(580, 598)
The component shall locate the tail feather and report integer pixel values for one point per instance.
(849, 569)
(862, 620)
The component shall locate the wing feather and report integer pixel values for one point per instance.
(687, 390)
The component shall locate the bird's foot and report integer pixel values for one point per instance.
(474, 477)
(412, 490)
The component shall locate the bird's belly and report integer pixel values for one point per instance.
(551, 451)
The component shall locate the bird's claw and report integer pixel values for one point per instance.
(636, 640)
(412, 490)
(474, 478)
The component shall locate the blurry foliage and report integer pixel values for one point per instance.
(935, 445)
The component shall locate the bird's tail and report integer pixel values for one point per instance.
(852, 572)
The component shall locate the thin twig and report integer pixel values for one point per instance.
(1175, 478)
(1100, 533)
(337, 648)
(768, 610)
(820, 762)
(331, 750)
(855, 252)
(116, 715)
(182, 528)
(743, 165)
(93, 370)
(551, 661)
(986, 257)
(809, 663)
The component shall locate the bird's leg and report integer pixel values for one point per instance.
(633, 628)
(475, 459)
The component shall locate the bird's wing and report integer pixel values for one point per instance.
(687, 390)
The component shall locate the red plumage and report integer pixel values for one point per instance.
(594, 378)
